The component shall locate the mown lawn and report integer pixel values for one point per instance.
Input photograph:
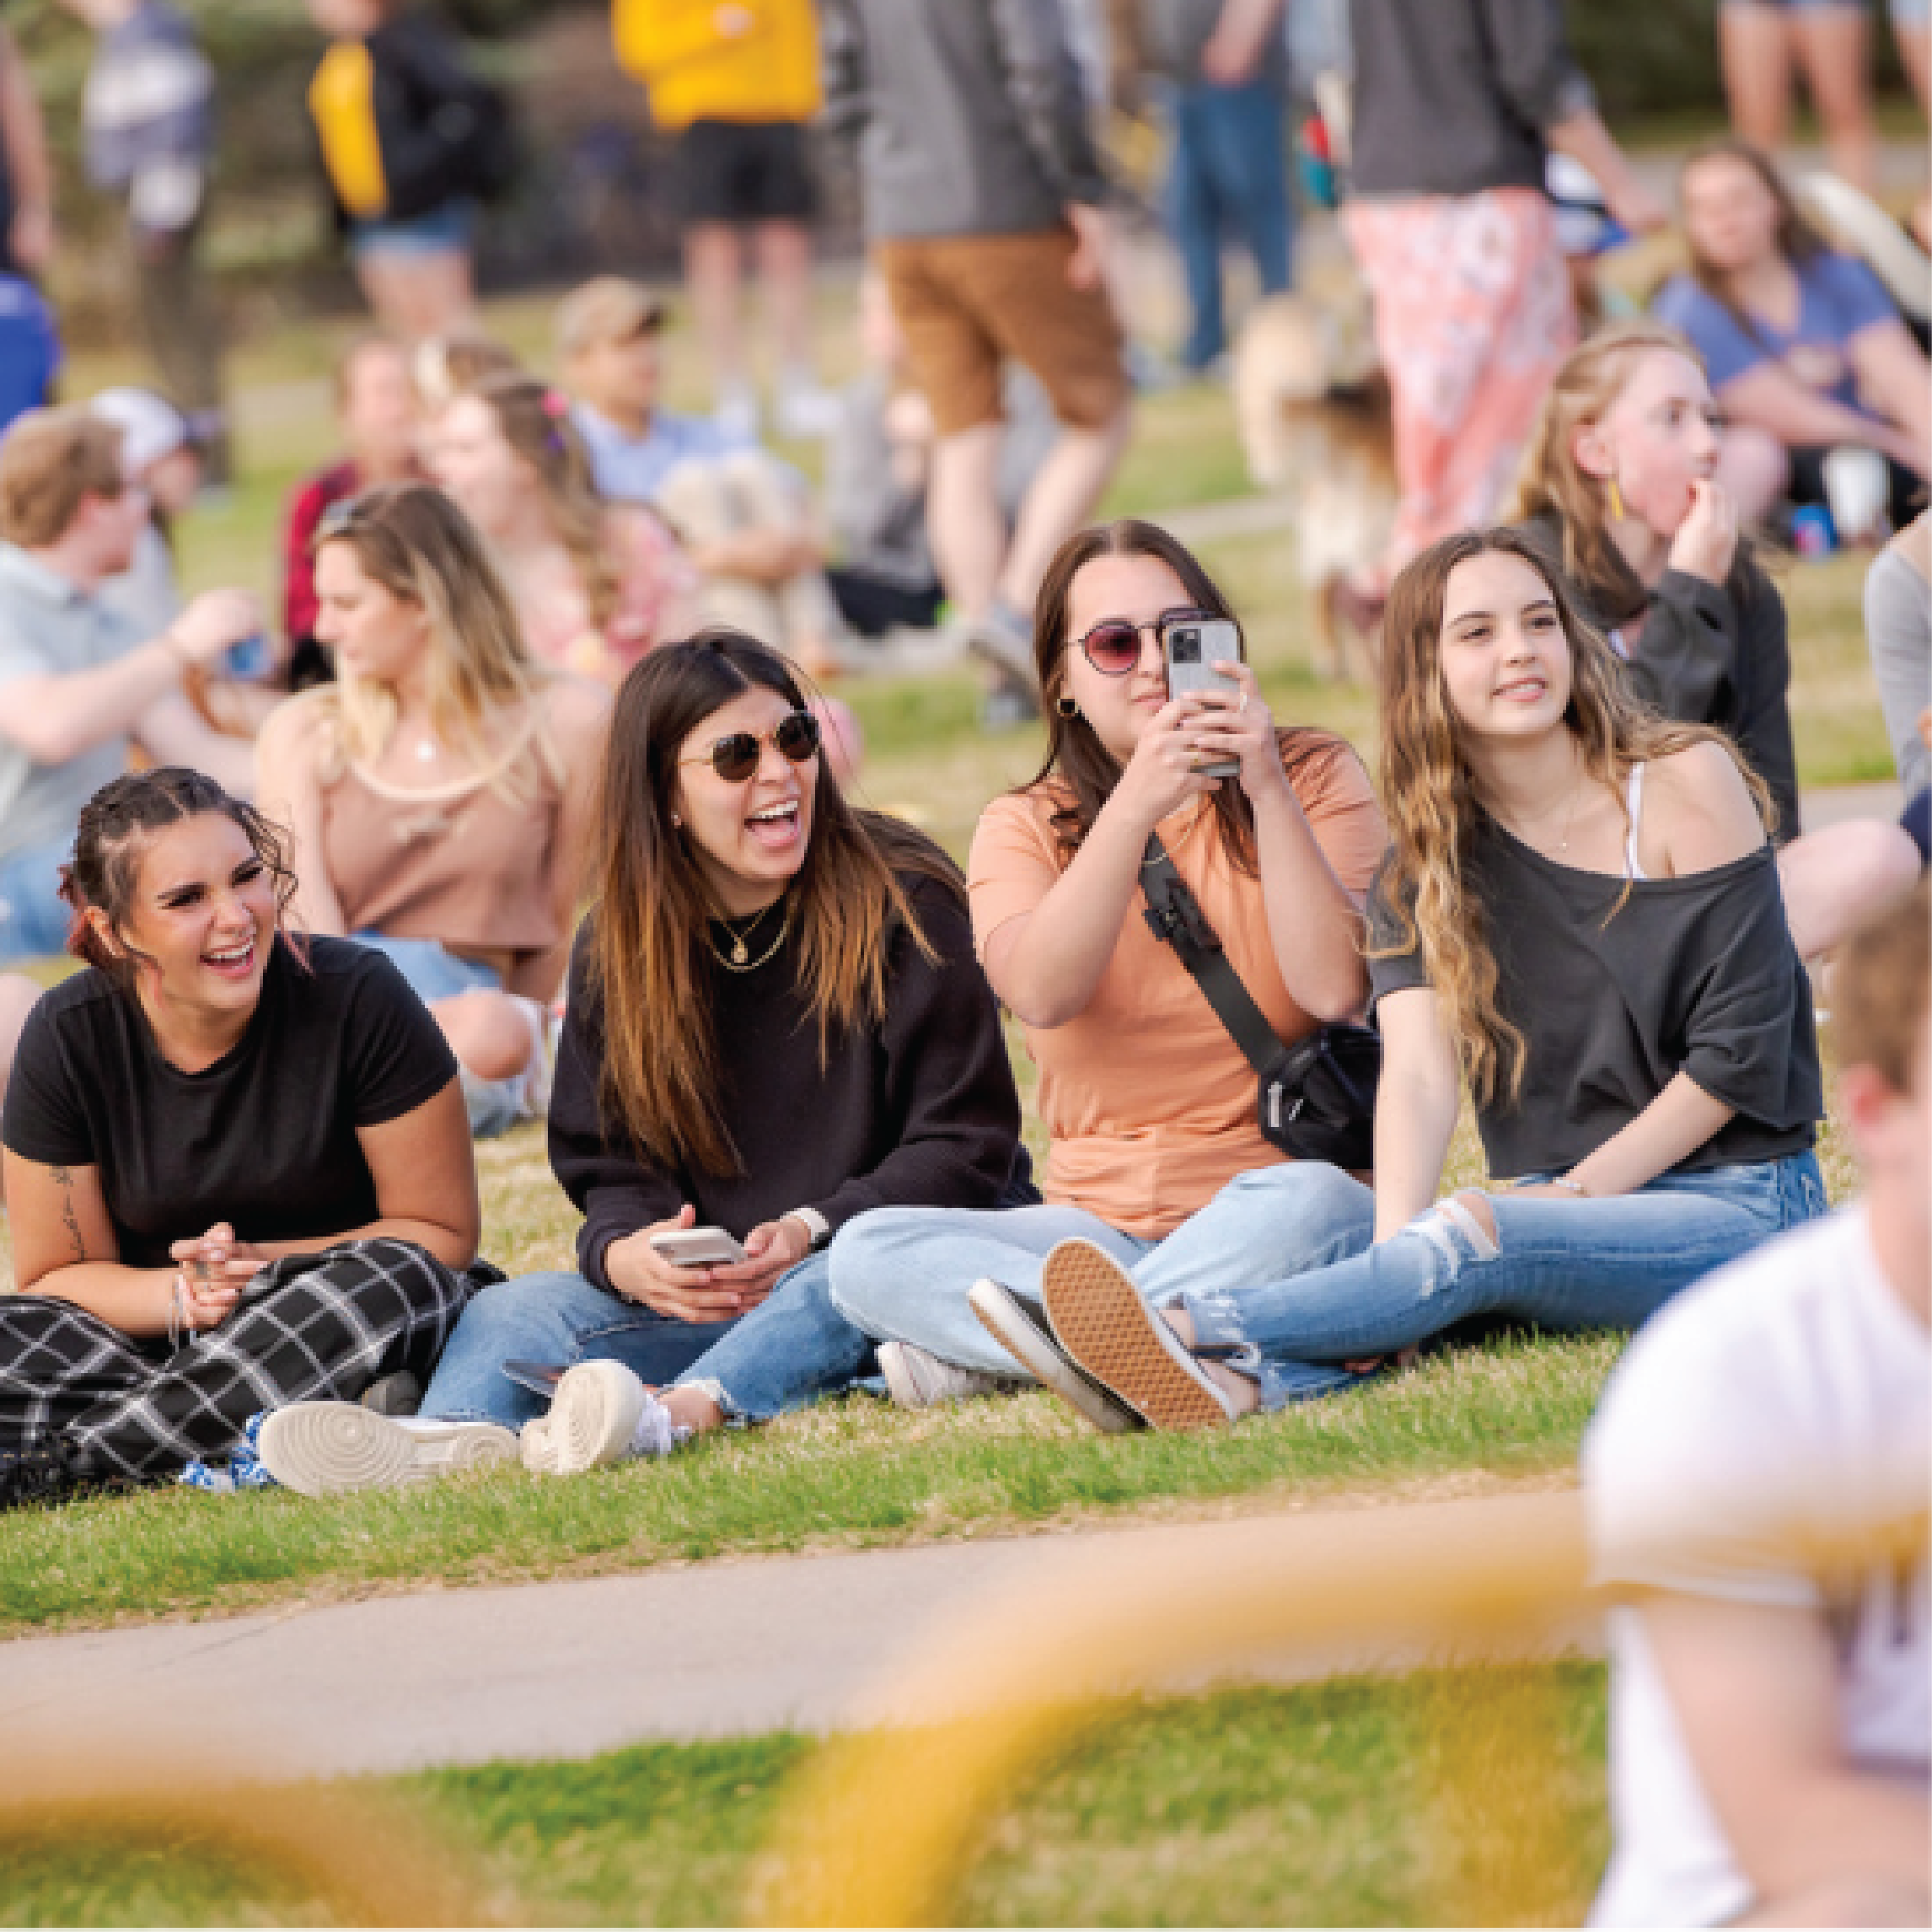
(856, 1470)
(1353, 1802)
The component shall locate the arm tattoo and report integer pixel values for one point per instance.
(64, 1179)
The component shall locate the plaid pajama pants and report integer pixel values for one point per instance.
(307, 1327)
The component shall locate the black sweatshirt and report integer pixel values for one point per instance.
(918, 1112)
(1715, 654)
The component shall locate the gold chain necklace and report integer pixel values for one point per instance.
(738, 959)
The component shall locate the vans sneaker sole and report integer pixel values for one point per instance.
(1005, 1318)
(1100, 1320)
(331, 1448)
(591, 1422)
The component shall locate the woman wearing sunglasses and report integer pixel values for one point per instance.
(1157, 1155)
(439, 791)
(776, 1022)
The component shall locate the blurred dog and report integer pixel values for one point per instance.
(1311, 405)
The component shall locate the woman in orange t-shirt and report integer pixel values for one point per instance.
(1156, 1156)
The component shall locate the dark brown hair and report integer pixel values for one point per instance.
(116, 825)
(649, 923)
(1076, 760)
(1882, 983)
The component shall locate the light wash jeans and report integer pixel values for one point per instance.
(435, 973)
(789, 1350)
(903, 1273)
(33, 917)
(1558, 1263)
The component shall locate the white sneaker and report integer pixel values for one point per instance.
(1021, 1330)
(330, 1448)
(918, 1378)
(602, 1414)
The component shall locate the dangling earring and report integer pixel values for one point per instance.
(1616, 496)
(1066, 705)
(676, 821)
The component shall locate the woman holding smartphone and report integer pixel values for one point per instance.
(1580, 918)
(774, 1022)
(237, 1168)
(1157, 1155)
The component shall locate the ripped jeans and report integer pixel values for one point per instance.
(1562, 1264)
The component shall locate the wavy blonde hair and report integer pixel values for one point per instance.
(1552, 483)
(1429, 790)
(420, 547)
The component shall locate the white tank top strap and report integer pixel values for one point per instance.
(1633, 803)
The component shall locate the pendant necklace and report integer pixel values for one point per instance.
(739, 959)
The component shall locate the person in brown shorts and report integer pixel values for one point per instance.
(983, 200)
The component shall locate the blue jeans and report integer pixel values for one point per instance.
(789, 1350)
(33, 917)
(1558, 1263)
(435, 973)
(447, 229)
(903, 1273)
(1227, 170)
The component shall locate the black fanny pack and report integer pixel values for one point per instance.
(1316, 1097)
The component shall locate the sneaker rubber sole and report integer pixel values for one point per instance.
(592, 1420)
(1006, 1318)
(1100, 1320)
(330, 1448)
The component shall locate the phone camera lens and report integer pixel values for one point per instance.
(1183, 646)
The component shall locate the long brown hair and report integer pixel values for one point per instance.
(1076, 762)
(649, 936)
(1429, 790)
(1795, 238)
(1551, 484)
(535, 420)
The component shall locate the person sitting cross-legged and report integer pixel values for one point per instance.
(1581, 916)
(236, 1161)
(1158, 1157)
(1757, 1482)
(776, 1022)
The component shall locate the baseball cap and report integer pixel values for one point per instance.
(151, 426)
(608, 310)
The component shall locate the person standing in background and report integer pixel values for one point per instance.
(984, 199)
(411, 142)
(1455, 105)
(26, 172)
(736, 83)
(1226, 66)
(1759, 44)
(149, 113)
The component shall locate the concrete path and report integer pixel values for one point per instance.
(568, 1669)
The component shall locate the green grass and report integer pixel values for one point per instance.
(1356, 1801)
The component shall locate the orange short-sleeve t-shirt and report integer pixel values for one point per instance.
(1148, 1102)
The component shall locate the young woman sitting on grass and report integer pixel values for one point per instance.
(1580, 918)
(776, 1022)
(1621, 482)
(1157, 1157)
(439, 790)
(237, 1165)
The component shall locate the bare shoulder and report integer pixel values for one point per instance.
(290, 733)
(578, 711)
(1699, 808)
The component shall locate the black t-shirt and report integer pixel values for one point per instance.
(1693, 975)
(265, 1138)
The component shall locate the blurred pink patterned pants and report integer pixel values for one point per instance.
(1473, 317)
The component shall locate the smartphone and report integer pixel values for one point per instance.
(1193, 649)
(540, 1378)
(698, 1248)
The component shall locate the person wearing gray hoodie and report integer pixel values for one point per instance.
(984, 196)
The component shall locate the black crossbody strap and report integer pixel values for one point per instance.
(1175, 917)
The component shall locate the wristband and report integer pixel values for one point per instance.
(1570, 1186)
(818, 1229)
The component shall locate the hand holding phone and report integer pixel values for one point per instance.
(1195, 649)
(638, 1269)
